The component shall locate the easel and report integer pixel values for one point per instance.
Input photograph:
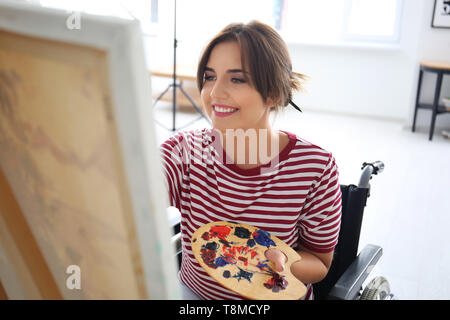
(175, 85)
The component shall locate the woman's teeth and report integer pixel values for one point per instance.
(224, 110)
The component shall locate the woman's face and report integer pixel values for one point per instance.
(228, 98)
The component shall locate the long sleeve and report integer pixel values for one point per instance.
(172, 154)
(319, 223)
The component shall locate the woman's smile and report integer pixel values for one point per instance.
(221, 110)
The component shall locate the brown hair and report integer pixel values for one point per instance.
(264, 55)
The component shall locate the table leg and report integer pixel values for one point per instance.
(437, 93)
(419, 86)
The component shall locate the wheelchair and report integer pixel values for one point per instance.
(349, 270)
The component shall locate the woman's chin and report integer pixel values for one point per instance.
(222, 125)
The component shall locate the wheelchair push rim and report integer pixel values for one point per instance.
(377, 289)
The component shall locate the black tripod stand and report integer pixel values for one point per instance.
(175, 85)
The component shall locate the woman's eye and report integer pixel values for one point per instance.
(238, 80)
(209, 77)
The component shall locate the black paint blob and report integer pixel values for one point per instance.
(225, 243)
(211, 246)
(251, 243)
(242, 233)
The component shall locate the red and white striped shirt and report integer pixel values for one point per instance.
(296, 198)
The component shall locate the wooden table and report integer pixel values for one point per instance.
(186, 77)
(187, 95)
(441, 69)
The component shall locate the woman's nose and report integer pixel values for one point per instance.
(219, 90)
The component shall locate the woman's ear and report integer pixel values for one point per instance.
(271, 102)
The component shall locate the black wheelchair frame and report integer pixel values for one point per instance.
(349, 269)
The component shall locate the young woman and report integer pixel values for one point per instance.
(243, 170)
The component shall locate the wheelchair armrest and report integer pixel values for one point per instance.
(176, 242)
(349, 284)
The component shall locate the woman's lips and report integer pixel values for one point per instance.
(224, 110)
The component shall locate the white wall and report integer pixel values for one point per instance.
(373, 81)
(433, 44)
(370, 82)
(376, 82)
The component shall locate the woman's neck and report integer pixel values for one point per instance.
(251, 148)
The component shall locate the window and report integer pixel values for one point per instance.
(334, 21)
(154, 11)
(194, 17)
(202, 19)
(373, 20)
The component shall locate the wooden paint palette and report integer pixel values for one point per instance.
(233, 255)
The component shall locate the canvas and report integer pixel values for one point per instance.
(82, 198)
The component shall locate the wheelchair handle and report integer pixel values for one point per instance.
(368, 169)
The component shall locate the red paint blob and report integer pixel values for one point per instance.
(208, 257)
(205, 236)
(219, 231)
(276, 283)
(243, 259)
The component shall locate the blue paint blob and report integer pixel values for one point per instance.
(243, 274)
(221, 261)
(226, 274)
(261, 265)
(263, 238)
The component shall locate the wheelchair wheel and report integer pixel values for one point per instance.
(377, 289)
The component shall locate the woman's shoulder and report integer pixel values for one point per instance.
(312, 156)
(306, 148)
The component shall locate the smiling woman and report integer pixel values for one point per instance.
(294, 194)
(226, 89)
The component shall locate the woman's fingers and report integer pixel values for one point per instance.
(277, 257)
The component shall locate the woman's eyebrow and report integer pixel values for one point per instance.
(228, 71)
(236, 71)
